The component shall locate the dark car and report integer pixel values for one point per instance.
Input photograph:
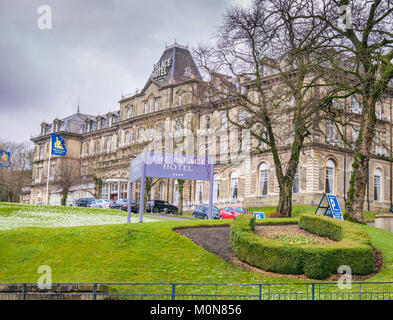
(201, 212)
(123, 203)
(115, 205)
(84, 202)
(160, 206)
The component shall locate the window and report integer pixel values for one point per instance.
(242, 117)
(180, 98)
(110, 121)
(330, 131)
(356, 108)
(379, 111)
(41, 152)
(263, 179)
(97, 147)
(234, 185)
(146, 107)
(141, 134)
(175, 193)
(330, 172)
(156, 104)
(377, 185)
(151, 104)
(224, 120)
(87, 148)
(295, 189)
(199, 190)
(379, 148)
(53, 171)
(108, 145)
(207, 119)
(355, 134)
(128, 112)
(127, 138)
(161, 191)
(216, 188)
(39, 175)
(266, 70)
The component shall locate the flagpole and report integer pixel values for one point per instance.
(47, 177)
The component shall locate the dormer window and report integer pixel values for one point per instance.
(188, 71)
(110, 121)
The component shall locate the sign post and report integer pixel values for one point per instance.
(328, 206)
(164, 165)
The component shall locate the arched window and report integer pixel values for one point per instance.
(128, 112)
(234, 185)
(377, 185)
(216, 188)
(330, 176)
(263, 179)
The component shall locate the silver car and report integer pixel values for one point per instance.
(101, 203)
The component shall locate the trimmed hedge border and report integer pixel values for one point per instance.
(353, 248)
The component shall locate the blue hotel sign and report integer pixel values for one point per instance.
(329, 207)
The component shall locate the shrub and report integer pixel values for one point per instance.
(315, 261)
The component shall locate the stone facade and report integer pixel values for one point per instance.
(107, 143)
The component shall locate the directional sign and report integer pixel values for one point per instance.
(334, 206)
(328, 206)
(259, 215)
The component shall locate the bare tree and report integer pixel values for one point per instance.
(67, 175)
(13, 179)
(264, 73)
(362, 31)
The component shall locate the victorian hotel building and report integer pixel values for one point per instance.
(109, 141)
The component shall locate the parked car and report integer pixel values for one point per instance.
(231, 212)
(115, 205)
(123, 203)
(201, 212)
(84, 202)
(160, 206)
(101, 203)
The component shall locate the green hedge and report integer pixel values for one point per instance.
(315, 261)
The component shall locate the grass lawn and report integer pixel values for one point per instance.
(150, 252)
(13, 216)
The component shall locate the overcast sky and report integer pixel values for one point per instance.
(96, 49)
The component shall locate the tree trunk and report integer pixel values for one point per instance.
(180, 188)
(97, 187)
(360, 173)
(285, 201)
(64, 196)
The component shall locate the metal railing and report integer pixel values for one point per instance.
(199, 291)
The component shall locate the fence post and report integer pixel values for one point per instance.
(24, 291)
(95, 291)
(313, 291)
(173, 292)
